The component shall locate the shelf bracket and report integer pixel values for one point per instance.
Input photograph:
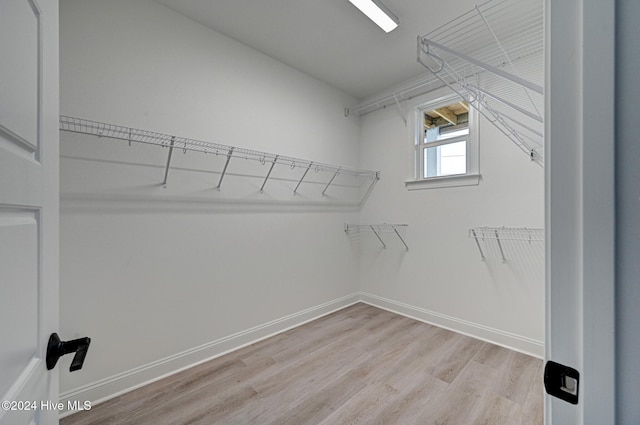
(302, 178)
(374, 180)
(504, 260)
(373, 229)
(273, 164)
(224, 170)
(402, 114)
(475, 237)
(400, 237)
(166, 170)
(331, 181)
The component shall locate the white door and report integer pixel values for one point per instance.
(579, 198)
(28, 208)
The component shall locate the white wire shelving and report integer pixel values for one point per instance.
(493, 58)
(378, 230)
(408, 90)
(504, 234)
(134, 135)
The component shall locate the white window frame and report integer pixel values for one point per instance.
(471, 177)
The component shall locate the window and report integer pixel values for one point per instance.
(445, 145)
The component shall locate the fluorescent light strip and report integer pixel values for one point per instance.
(378, 13)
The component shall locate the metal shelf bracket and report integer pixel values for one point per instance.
(331, 181)
(224, 170)
(273, 164)
(166, 170)
(375, 232)
(475, 237)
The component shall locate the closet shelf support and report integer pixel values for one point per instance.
(401, 238)
(402, 114)
(166, 170)
(224, 170)
(475, 237)
(373, 229)
(504, 260)
(302, 178)
(331, 181)
(273, 164)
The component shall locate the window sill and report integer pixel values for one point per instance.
(444, 181)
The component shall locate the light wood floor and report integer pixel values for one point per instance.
(360, 365)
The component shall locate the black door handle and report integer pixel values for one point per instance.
(57, 348)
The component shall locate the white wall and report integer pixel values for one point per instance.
(161, 278)
(442, 279)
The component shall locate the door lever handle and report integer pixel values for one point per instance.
(57, 348)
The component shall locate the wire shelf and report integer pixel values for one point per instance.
(504, 234)
(378, 230)
(492, 57)
(507, 233)
(134, 135)
(112, 131)
(405, 91)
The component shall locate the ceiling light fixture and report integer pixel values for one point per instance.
(378, 13)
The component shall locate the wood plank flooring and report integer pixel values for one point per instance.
(360, 365)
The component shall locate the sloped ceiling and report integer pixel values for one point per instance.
(328, 39)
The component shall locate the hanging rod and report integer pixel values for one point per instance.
(378, 230)
(504, 233)
(486, 57)
(118, 132)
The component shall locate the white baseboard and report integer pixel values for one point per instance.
(113, 386)
(512, 341)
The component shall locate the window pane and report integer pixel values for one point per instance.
(431, 162)
(445, 160)
(454, 149)
(432, 134)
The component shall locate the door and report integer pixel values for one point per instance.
(28, 209)
(579, 198)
